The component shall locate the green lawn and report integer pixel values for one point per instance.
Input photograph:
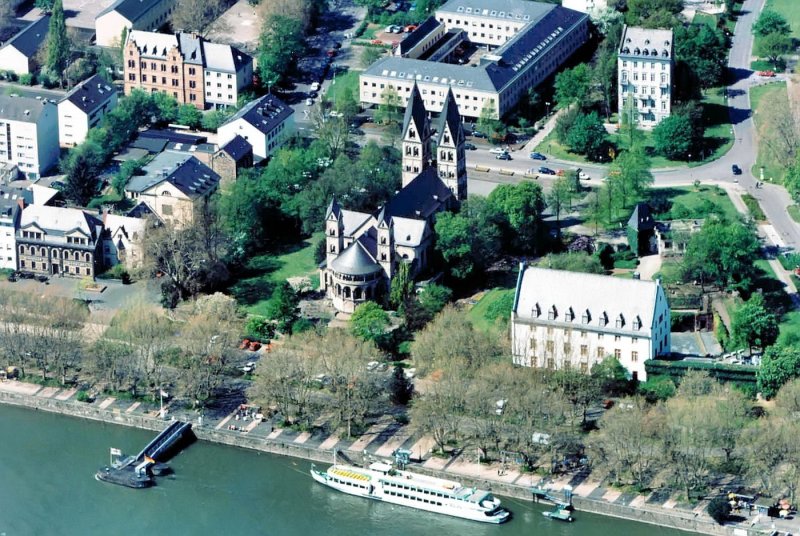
(762, 97)
(790, 10)
(262, 272)
(705, 18)
(754, 207)
(761, 65)
(695, 203)
(719, 137)
(343, 82)
(670, 272)
(493, 310)
(794, 212)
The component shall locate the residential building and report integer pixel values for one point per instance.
(564, 319)
(28, 134)
(147, 15)
(59, 241)
(422, 39)
(12, 201)
(228, 70)
(83, 108)
(266, 123)
(174, 186)
(18, 54)
(585, 6)
(187, 67)
(525, 43)
(363, 250)
(123, 240)
(170, 63)
(644, 65)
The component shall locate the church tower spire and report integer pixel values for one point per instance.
(451, 159)
(416, 138)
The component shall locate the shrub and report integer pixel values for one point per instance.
(26, 79)
(719, 509)
(83, 396)
(260, 327)
(657, 389)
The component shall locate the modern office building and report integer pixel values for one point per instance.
(522, 43)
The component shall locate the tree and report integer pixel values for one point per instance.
(433, 298)
(700, 54)
(769, 22)
(773, 46)
(673, 137)
(560, 195)
(58, 45)
(82, 166)
(127, 169)
(389, 111)
(189, 116)
(588, 136)
(282, 307)
(469, 240)
(402, 285)
(572, 262)
(439, 411)
(197, 15)
(719, 509)
(779, 364)
(630, 176)
(611, 375)
(653, 13)
(574, 86)
(518, 210)
(451, 339)
(754, 325)
(721, 253)
(44, 5)
(6, 12)
(369, 322)
(370, 55)
(280, 43)
(400, 388)
(333, 132)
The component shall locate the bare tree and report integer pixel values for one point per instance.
(199, 16)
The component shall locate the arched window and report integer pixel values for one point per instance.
(42, 252)
(88, 257)
(357, 293)
(338, 290)
(347, 293)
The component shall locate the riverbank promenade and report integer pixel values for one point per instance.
(379, 441)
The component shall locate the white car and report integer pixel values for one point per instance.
(309, 102)
(315, 86)
(498, 150)
(583, 175)
(334, 113)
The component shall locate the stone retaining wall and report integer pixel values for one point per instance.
(676, 519)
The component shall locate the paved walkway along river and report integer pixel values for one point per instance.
(380, 440)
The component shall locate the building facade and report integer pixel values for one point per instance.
(574, 320)
(147, 15)
(83, 108)
(364, 250)
(585, 6)
(59, 241)
(228, 71)
(123, 240)
(28, 134)
(266, 123)
(644, 68)
(526, 43)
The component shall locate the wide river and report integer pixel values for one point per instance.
(47, 487)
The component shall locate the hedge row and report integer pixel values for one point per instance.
(675, 370)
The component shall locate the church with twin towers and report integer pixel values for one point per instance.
(364, 250)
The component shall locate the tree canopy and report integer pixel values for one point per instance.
(722, 253)
(754, 325)
(779, 364)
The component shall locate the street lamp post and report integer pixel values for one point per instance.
(548, 108)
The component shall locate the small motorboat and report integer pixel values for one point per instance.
(561, 514)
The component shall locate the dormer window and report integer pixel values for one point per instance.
(536, 311)
(411, 133)
(603, 319)
(586, 317)
(552, 314)
(620, 323)
(637, 323)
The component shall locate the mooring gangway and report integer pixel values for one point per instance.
(163, 442)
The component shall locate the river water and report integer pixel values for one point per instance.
(47, 487)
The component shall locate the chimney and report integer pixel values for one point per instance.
(21, 203)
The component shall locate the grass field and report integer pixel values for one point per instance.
(262, 272)
(762, 97)
(493, 311)
(692, 203)
(794, 212)
(348, 80)
(719, 137)
(704, 18)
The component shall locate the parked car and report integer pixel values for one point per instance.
(26, 275)
(546, 171)
(334, 113)
(410, 28)
(498, 150)
(309, 102)
(767, 74)
(736, 169)
(503, 156)
(315, 86)
(583, 175)
(376, 42)
(478, 134)
(538, 156)
(469, 147)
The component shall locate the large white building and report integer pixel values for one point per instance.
(228, 71)
(574, 320)
(28, 134)
(644, 67)
(526, 43)
(265, 123)
(83, 108)
(145, 15)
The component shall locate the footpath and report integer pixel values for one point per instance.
(659, 507)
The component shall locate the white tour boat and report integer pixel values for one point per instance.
(382, 482)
